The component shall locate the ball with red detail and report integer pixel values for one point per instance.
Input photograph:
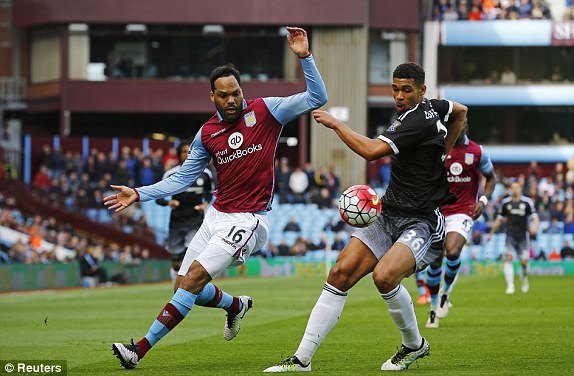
(359, 205)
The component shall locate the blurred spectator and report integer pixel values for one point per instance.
(567, 252)
(147, 175)
(170, 159)
(557, 212)
(323, 200)
(508, 77)
(333, 183)
(89, 266)
(541, 256)
(556, 75)
(450, 14)
(540, 11)
(546, 185)
(321, 243)
(42, 179)
(569, 224)
(475, 13)
(513, 10)
(554, 256)
(298, 184)
(310, 172)
(299, 248)
(338, 243)
(283, 248)
(525, 9)
(282, 175)
(336, 225)
(463, 11)
(292, 225)
(436, 13)
(122, 175)
(553, 227)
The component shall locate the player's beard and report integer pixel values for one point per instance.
(230, 119)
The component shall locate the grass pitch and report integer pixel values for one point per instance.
(486, 332)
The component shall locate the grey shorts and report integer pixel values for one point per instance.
(518, 246)
(423, 234)
(179, 238)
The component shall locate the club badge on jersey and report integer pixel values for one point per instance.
(468, 158)
(250, 119)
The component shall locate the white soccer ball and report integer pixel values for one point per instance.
(359, 205)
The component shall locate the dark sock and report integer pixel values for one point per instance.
(143, 347)
(235, 307)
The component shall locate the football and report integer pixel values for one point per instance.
(359, 205)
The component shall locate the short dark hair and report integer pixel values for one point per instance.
(181, 145)
(410, 70)
(223, 71)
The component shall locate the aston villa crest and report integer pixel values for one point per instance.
(468, 158)
(250, 119)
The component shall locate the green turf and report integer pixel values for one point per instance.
(487, 332)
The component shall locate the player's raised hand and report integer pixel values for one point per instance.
(121, 200)
(325, 118)
(298, 41)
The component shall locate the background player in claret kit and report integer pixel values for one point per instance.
(241, 139)
(465, 164)
(521, 222)
(187, 211)
(409, 233)
(422, 288)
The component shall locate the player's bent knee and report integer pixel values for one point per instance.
(452, 253)
(385, 281)
(339, 278)
(195, 279)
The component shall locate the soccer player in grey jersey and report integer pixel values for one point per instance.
(409, 233)
(518, 210)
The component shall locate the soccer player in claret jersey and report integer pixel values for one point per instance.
(465, 164)
(521, 222)
(409, 233)
(241, 139)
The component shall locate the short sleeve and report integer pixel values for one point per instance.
(443, 108)
(401, 135)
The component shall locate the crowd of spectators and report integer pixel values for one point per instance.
(45, 237)
(306, 185)
(72, 182)
(552, 193)
(478, 10)
(76, 183)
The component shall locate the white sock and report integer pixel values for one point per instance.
(509, 273)
(323, 318)
(403, 314)
(523, 272)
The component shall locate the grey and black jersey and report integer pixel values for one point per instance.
(418, 174)
(517, 214)
(199, 192)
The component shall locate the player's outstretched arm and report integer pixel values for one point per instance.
(495, 227)
(365, 147)
(298, 41)
(121, 200)
(455, 125)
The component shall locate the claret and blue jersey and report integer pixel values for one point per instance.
(243, 152)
